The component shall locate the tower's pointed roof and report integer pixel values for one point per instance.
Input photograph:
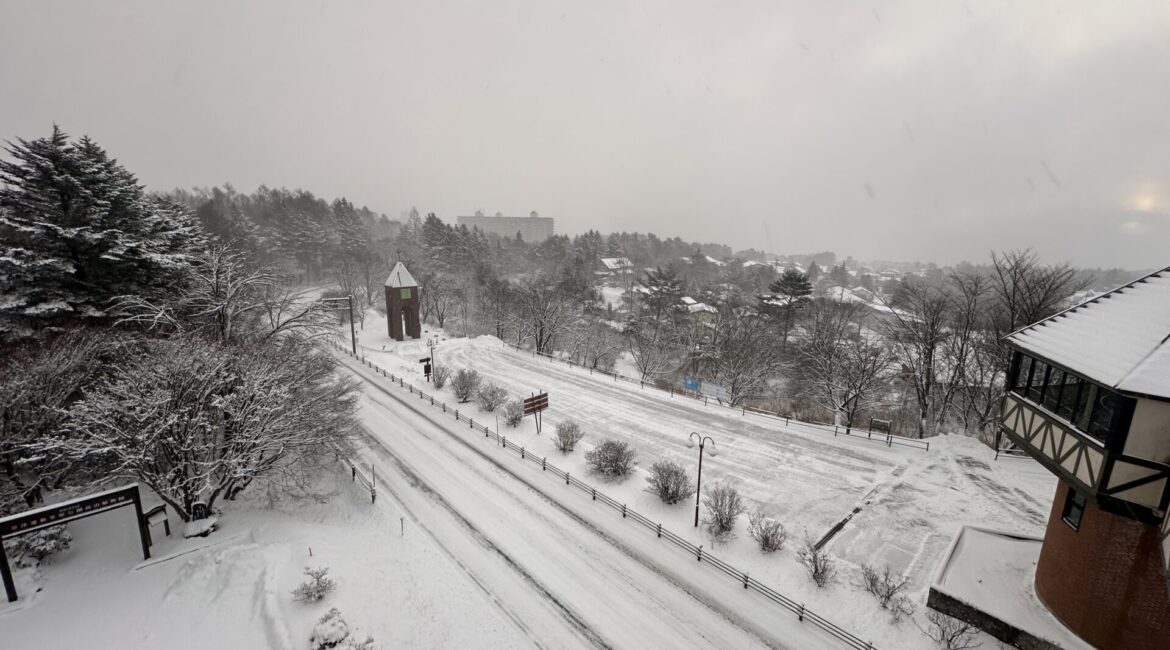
(400, 277)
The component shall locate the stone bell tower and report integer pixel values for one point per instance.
(402, 304)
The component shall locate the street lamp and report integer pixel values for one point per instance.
(349, 301)
(702, 440)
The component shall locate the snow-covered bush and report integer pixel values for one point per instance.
(333, 633)
(723, 505)
(670, 482)
(491, 396)
(821, 567)
(464, 384)
(440, 375)
(949, 633)
(612, 458)
(569, 433)
(32, 549)
(767, 532)
(513, 413)
(316, 587)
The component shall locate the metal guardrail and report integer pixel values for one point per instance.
(803, 614)
(885, 438)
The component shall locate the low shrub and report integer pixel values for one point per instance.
(670, 481)
(34, 548)
(569, 433)
(491, 396)
(821, 567)
(724, 505)
(612, 458)
(316, 587)
(513, 413)
(440, 375)
(464, 384)
(332, 633)
(767, 532)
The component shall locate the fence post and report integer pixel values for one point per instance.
(544, 463)
(522, 456)
(745, 580)
(700, 556)
(471, 422)
(800, 614)
(444, 407)
(594, 494)
(566, 478)
(456, 415)
(659, 531)
(623, 511)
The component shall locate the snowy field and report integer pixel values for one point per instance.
(233, 589)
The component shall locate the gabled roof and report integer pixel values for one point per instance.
(400, 277)
(1120, 338)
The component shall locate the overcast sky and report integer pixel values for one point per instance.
(927, 130)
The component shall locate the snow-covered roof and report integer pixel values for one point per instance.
(687, 300)
(616, 263)
(1120, 338)
(400, 277)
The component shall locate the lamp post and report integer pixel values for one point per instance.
(349, 301)
(702, 440)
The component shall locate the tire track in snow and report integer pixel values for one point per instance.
(407, 470)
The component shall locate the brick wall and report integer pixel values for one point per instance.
(1105, 580)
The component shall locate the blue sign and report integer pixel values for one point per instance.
(692, 384)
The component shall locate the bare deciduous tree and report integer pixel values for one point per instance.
(841, 369)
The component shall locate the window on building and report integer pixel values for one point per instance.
(1052, 389)
(404, 294)
(1074, 508)
(1023, 371)
(1036, 384)
(1071, 398)
(1101, 420)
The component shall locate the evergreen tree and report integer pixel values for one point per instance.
(793, 285)
(839, 276)
(77, 230)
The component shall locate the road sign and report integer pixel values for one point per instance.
(535, 404)
(692, 384)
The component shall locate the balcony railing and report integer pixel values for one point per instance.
(1081, 459)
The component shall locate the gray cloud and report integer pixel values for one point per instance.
(922, 130)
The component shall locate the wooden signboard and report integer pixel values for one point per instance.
(534, 405)
(34, 520)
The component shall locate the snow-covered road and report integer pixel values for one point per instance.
(558, 568)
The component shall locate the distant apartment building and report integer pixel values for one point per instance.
(532, 229)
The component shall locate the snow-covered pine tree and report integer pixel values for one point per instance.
(76, 230)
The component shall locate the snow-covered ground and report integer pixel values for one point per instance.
(911, 502)
(233, 589)
(468, 547)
